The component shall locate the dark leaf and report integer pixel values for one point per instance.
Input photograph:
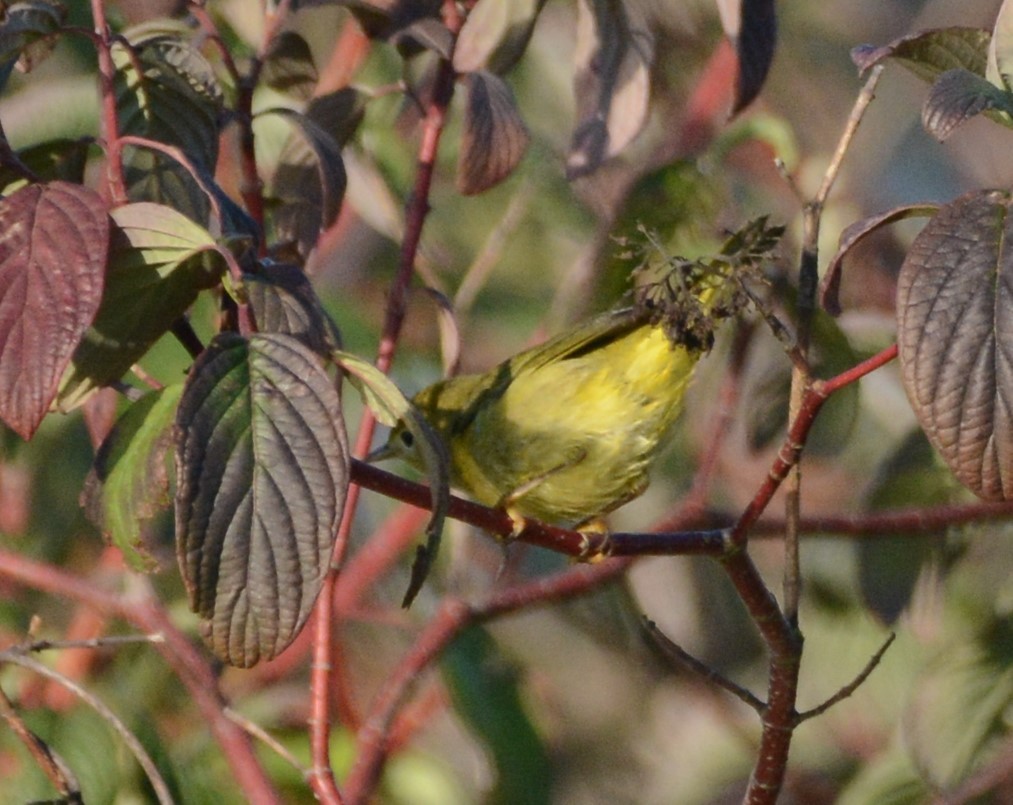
(62, 160)
(309, 183)
(283, 301)
(129, 482)
(427, 33)
(929, 54)
(854, 234)
(289, 66)
(54, 240)
(496, 35)
(382, 19)
(262, 471)
(27, 31)
(751, 25)
(174, 99)
(159, 261)
(955, 331)
(494, 138)
(956, 97)
(612, 85)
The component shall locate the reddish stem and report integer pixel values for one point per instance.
(110, 127)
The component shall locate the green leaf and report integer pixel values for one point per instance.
(57, 160)
(53, 245)
(159, 261)
(954, 328)
(929, 54)
(487, 695)
(262, 471)
(1000, 50)
(129, 483)
(390, 407)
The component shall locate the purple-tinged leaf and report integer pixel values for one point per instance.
(929, 54)
(956, 97)
(54, 240)
(955, 337)
(853, 235)
(262, 470)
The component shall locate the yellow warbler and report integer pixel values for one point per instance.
(566, 431)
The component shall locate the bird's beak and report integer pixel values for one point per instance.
(381, 453)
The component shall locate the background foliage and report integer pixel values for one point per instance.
(568, 702)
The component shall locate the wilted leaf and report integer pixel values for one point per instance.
(310, 180)
(54, 240)
(612, 85)
(174, 99)
(494, 137)
(159, 261)
(751, 25)
(955, 331)
(495, 35)
(129, 483)
(289, 66)
(956, 97)
(390, 406)
(283, 301)
(929, 54)
(62, 160)
(853, 235)
(262, 471)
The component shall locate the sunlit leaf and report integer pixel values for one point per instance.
(615, 50)
(1000, 48)
(159, 261)
(262, 472)
(54, 241)
(494, 138)
(129, 483)
(955, 330)
(495, 35)
(390, 407)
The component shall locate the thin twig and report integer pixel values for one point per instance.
(109, 641)
(133, 744)
(852, 686)
(52, 765)
(679, 655)
(110, 124)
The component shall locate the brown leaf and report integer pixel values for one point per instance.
(494, 137)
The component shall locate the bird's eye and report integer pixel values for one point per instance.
(407, 438)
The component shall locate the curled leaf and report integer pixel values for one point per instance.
(262, 467)
(956, 97)
(955, 338)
